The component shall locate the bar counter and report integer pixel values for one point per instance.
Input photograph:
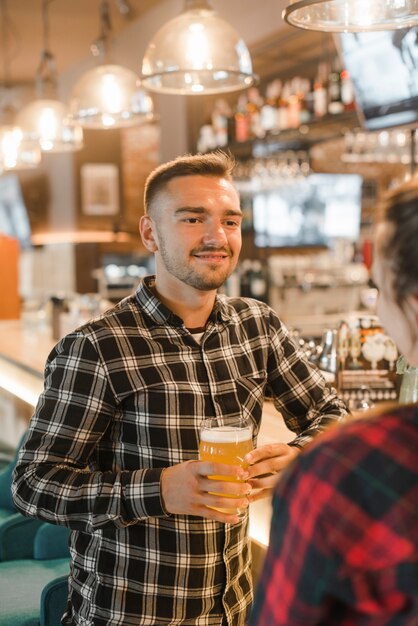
(23, 352)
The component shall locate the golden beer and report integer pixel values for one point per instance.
(225, 444)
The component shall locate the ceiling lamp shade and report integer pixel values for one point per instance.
(16, 152)
(351, 15)
(48, 122)
(45, 120)
(197, 52)
(110, 96)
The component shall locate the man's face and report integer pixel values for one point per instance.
(196, 225)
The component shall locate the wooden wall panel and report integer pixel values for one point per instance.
(140, 155)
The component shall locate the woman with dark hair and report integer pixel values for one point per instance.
(344, 537)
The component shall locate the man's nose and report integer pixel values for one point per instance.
(215, 233)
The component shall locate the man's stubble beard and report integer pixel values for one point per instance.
(190, 276)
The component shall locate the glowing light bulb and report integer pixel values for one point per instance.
(197, 47)
(47, 128)
(111, 93)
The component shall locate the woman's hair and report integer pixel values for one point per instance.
(401, 249)
(217, 164)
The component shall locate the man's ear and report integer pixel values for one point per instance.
(147, 232)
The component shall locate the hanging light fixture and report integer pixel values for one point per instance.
(197, 52)
(351, 15)
(16, 152)
(109, 96)
(46, 119)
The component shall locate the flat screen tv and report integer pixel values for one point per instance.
(384, 69)
(14, 219)
(311, 211)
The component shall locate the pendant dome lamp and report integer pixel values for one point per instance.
(195, 53)
(47, 119)
(110, 95)
(15, 151)
(351, 15)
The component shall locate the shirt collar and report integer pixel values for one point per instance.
(161, 314)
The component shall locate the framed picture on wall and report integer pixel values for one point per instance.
(100, 189)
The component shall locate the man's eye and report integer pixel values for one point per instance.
(232, 223)
(191, 220)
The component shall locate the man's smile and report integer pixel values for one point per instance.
(213, 256)
(210, 256)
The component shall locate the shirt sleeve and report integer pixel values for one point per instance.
(298, 389)
(299, 569)
(57, 477)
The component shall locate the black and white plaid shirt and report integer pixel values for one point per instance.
(123, 399)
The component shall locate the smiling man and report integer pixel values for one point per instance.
(193, 226)
(112, 451)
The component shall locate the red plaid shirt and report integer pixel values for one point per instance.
(344, 539)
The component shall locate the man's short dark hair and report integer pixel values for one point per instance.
(217, 164)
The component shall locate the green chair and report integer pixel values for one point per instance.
(6, 503)
(33, 592)
(53, 601)
(17, 532)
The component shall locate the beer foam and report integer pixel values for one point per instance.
(226, 434)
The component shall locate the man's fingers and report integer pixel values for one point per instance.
(268, 468)
(224, 487)
(268, 451)
(207, 468)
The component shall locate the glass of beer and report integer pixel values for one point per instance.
(226, 442)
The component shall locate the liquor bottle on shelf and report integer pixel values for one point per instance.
(294, 104)
(268, 120)
(347, 91)
(309, 99)
(242, 122)
(335, 103)
(282, 107)
(254, 105)
(320, 92)
(306, 113)
(207, 139)
(220, 115)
